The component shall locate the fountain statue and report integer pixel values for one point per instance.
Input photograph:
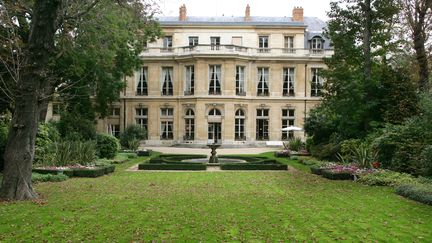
(213, 146)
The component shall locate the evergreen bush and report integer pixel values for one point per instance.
(130, 138)
(107, 146)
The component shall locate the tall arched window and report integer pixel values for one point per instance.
(214, 112)
(239, 125)
(189, 125)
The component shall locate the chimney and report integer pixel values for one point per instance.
(182, 13)
(247, 14)
(297, 15)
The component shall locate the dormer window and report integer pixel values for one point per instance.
(317, 44)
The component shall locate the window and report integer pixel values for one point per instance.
(317, 82)
(288, 117)
(115, 111)
(167, 84)
(113, 130)
(288, 82)
(141, 88)
(215, 43)
(190, 80)
(141, 117)
(239, 125)
(167, 116)
(167, 130)
(240, 80)
(263, 44)
(263, 77)
(167, 112)
(288, 44)
(189, 125)
(316, 45)
(214, 112)
(215, 79)
(193, 40)
(262, 124)
(167, 43)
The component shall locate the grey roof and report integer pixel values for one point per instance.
(312, 23)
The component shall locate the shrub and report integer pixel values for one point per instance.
(417, 192)
(386, 178)
(426, 161)
(295, 144)
(325, 151)
(73, 126)
(130, 138)
(70, 153)
(363, 155)
(316, 170)
(197, 166)
(36, 177)
(244, 166)
(107, 146)
(47, 134)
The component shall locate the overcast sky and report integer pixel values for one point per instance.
(312, 8)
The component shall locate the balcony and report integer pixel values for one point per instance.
(235, 50)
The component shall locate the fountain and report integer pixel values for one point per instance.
(213, 146)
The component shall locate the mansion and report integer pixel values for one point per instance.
(239, 80)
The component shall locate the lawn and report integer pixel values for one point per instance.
(214, 206)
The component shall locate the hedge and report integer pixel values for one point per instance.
(109, 169)
(94, 172)
(316, 170)
(176, 158)
(172, 167)
(336, 176)
(416, 192)
(244, 166)
(36, 177)
(141, 153)
(68, 172)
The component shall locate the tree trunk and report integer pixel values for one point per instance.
(419, 35)
(19, 152)
(367, 39)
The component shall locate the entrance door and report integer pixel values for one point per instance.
(215, 132)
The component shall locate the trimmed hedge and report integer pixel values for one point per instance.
(252, 160)
(336, 176)
(244, 166)
(416, 192)
(176, 159)
(36, 177)
(142, 153)
(96, 172)
(68, 172)
(172, 167)
(316, 170)
(109, 169)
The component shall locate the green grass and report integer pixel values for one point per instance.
(214, 207)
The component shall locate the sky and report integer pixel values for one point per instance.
(280, 8)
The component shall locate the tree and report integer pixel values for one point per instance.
(55, 37)
(417, 17)
(362, 89)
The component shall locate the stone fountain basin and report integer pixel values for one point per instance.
(220, 160)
